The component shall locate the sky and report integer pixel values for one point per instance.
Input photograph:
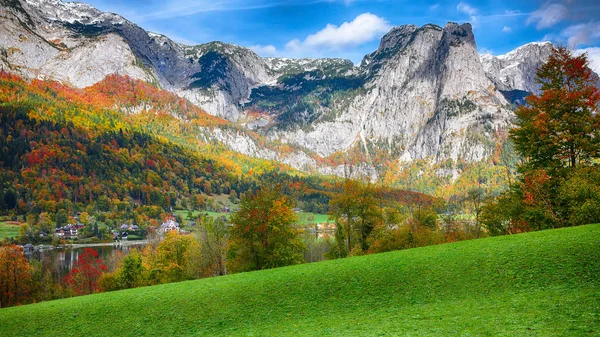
(352, 28)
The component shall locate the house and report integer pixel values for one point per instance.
(73, 231)
(225, 210)
(168, 226)
(134, 227)
(67, 231)
(124, 227)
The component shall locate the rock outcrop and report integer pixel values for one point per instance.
(516, 69)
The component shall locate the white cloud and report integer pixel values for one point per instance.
(582, 34)
(434, 7)
(548, 16)
(507, 29)
(513, 12)
(268, 50)
(181, 8)
(469, 10)
(593, 54)
(363, 28)
(466, 8)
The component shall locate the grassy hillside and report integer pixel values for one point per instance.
(538, 284)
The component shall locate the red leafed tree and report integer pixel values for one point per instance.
(561, 126)
(15, 277)
(83, 278)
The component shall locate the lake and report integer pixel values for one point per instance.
(64, 258)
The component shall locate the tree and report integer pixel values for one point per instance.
(212, 237)
(15, 276)
(561, 126)
(129, 274)
(502, 215)
(263, 235)
(558, 136)
(170, 260)
(356, 213)
(61, 218)
(475, 197)
(83, 278)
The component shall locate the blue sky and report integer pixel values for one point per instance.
(352, 28)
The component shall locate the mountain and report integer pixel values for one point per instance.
(424, 94)
(516, 69)
(514, 73)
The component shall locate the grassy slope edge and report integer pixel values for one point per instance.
(536, 284)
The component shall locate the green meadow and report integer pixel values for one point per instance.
(543, 283)
(9, 230)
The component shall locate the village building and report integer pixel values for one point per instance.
(169, 226)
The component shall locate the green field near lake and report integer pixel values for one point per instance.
(544, 283)
(304, 218)
(8, 229)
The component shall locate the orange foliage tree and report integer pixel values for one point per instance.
(15, 277)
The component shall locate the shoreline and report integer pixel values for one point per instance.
(106, 244)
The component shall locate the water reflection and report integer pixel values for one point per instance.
(64, 259)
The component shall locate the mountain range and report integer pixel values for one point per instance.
(424, 94)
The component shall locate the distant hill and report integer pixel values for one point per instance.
(125, 140)
(536, 284)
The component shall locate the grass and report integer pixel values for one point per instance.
(304, 218)
(537, 284)
(8, 229)
(196, 214)
(307, 218)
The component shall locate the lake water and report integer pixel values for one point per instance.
(64, 259)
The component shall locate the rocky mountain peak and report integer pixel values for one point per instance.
(455, 34)
(396, 38)
(516, 70)
(73, 12)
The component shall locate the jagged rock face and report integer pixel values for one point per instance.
(225, 78)
(35, 46)
(516, 70)
(283, 67)
(426, 95)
